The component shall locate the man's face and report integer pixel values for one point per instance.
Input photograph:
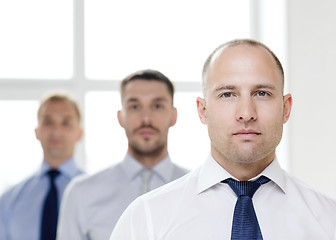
(147, 114)
(58, 130)
(244, 107)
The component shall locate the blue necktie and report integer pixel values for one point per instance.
(245, 223)
(50, 209)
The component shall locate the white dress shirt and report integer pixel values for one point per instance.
(198, 206)
(93, 204)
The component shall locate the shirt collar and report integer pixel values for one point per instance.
(275, 173)
(68, 169)
(132, 167)
(212, 173)
(164, 169)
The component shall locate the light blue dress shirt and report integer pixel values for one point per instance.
(93, 204)
(21, 205)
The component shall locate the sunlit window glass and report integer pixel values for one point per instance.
(172, 36)
(36, 39)
(188, 141)
(20, 153)
(106, 142)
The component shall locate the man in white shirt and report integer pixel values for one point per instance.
(92, 205)
(244, 108)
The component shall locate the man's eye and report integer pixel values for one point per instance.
(262, 94)
(226, 95)
(134, 107)
(157, 106)
(47, 122)
(66, 123)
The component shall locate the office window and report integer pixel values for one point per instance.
(36, 39)
(105, 140)
(173, 36)
(20, 152)
(88, 46)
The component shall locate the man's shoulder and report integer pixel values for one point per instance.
(15, 191)
(179, 171)
(88, 181)
(180, 188)
(311, 196)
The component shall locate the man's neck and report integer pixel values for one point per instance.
(55, 162)
(246, 171)
(150, 160)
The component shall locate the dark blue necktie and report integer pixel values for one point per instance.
(245, 223)
(50, 209)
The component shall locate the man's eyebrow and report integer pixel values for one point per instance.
(160, 99)
(232, 87)
(265, 86)
(132, 100)
(225, 87)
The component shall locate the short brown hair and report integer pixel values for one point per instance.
(147, 75)
(59, 97)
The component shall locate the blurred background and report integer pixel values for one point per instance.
(88, 46)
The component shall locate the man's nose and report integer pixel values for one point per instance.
(146, 116)
(246, 110)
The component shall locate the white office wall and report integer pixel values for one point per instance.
(312, 81)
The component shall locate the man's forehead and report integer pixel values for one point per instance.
(242, 52)
(58, 114)
(57, 105)
(147, 98)
(146, 90)
(238, 51)
(244, 59)
(57, 108)
(142, 84)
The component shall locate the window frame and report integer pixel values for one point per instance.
(78, 84)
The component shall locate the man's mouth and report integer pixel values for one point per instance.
(247, 134)
(146, 132)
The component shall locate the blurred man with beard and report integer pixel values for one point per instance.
(93, 205)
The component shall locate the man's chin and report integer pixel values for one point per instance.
(147, 149)
(246, 160)
(56, 153)
(246, 156)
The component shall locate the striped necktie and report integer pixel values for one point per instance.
(245, 224)
(146, 175)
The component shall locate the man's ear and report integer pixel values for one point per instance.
(120, 119)
(80, 134)
(288, 101)
(174, 117)
(37, 134)
(201, 108)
